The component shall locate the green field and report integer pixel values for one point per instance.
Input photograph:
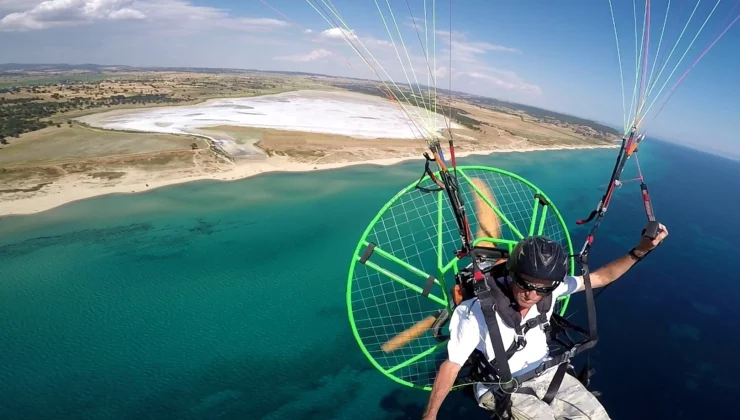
(226, 92)
(11, 81)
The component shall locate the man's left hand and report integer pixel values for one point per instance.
(646, 244)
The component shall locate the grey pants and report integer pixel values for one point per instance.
(573, 401)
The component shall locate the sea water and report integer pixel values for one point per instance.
(226, 300)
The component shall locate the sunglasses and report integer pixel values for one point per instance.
(540, 289)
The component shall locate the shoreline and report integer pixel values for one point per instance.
(79, 187)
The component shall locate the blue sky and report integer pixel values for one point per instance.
(559, 55)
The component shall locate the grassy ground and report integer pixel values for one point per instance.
(108, 168)
(77, 142)
(34, 80)
(523, 127)
(327, 148)
(197, 92)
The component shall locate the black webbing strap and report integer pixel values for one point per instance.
(556, 360)
(563, 358)
(557, 379)
(443, 315)
(503, 400)
(489, 313)
(584, 376)
(543, 201)
(552, 389)
(527, 390)
(428, 286)
(508, 383)
(590, 306)
(367, 253)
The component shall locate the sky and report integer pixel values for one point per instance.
(559, 55)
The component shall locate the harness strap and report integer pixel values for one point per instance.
(590, 307)
(503, 402)
(489, 313)
(552, 390)
(500, 372)
(486, 372)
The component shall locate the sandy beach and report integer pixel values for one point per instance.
(79, 187)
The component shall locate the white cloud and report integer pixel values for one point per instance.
(512, 82)
(339, 33)
(52, 13)
(378, 42)
(312, 56)
(441, 72)
(470, 55)
(264, 22)
(180, 33)
(480, 47)
(180, 14)
(125, 13)
(350, 35)
(469, 51)
(10, 6)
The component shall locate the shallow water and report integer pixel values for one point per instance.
(226, 300)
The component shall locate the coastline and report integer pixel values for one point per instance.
(80, 187)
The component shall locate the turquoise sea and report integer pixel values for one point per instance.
(226, 300)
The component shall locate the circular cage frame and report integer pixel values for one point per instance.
(447, 270)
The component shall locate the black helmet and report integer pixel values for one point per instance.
(539, 257)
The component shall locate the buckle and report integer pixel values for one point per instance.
(539, 370)
(572, 352)
(480, 287)
(521, 342)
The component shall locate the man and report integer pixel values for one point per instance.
(537, 269)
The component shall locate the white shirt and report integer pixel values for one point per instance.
(468, 331)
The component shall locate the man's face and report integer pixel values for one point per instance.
(528, 298)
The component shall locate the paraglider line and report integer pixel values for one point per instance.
(660, 43)
(683, 76)
(345, 37)
(621, 73)
(668, 59)
(639, 171)
(646, 55)
(679, 63)
(388, 90)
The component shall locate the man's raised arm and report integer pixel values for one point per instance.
(615, 269)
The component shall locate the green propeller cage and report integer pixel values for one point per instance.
(410, 246)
